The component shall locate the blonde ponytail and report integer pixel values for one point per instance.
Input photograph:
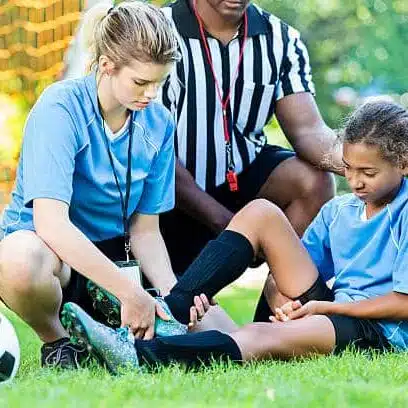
(130, 30)
(92, 19)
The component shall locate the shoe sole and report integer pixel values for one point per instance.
(77, 330)
(105, 305)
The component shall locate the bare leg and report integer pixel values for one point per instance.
(299, 189)
(295, 338)
(273, 296)
(31, 276)
(270, 233)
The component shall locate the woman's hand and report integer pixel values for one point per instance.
(139, 311)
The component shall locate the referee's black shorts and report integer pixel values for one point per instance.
(185, 237)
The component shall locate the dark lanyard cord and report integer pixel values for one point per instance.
(124, 201)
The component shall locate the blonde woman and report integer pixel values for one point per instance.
(96, 169)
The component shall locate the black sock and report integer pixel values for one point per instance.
(193, 349)
(318, 291)
(220, 262)
(263, 311)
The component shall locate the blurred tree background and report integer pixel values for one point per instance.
(357, 50)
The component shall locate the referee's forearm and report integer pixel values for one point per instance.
(319, 147)
(195, 202)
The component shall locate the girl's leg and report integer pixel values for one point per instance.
(31, 276)
(259, 228)
(295, 338)
(270, 233)
(257, 341)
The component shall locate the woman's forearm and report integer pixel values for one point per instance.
(393, 306)
(76, 250)
(149, 248)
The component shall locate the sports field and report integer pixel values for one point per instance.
(353, 380)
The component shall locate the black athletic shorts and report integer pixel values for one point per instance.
(349, 331)
(185, 237)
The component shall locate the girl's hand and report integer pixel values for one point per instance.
(282, 313)
(139, 311)
(200, 308)
(295, 310)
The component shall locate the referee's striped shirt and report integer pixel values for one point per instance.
(275, 64)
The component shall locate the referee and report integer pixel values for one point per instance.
(240, 66)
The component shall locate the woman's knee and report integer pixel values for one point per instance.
(25, 263)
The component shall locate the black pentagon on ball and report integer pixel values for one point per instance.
(7, 362)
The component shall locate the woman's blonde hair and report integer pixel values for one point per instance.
(130, 30)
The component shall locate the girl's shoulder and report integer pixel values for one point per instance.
(339, 205)
(342, 201)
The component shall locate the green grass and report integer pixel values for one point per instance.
(352, 380)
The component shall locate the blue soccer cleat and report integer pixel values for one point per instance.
(113, 348)
(109, 306)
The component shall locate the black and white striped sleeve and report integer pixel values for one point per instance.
(296, 73)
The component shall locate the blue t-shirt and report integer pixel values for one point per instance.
(367, 258)
(64, 157)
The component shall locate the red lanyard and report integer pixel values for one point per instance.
(231, 175)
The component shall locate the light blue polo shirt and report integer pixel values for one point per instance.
(64, 157)
(367, 258)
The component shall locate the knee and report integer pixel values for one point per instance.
(317, 185)
(24, 266)
(261, 210)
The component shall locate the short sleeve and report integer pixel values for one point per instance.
(316, 240)
(159, 189)
(296, 73)
(400, 267)
(48, 152)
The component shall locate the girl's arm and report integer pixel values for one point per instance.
(148, 247)
(393, 306)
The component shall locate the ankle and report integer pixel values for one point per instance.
(52, 333)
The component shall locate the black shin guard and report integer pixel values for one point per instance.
(318, 291)
(263, 311)
(221, 262)
(193, 350)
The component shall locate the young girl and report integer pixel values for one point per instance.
(96, 169)
(360, 239)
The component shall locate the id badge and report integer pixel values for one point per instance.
(131, 269)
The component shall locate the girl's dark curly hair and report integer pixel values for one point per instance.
(382, 124)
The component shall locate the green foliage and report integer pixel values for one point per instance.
(355, 43)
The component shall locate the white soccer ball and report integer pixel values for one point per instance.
(9, 351)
